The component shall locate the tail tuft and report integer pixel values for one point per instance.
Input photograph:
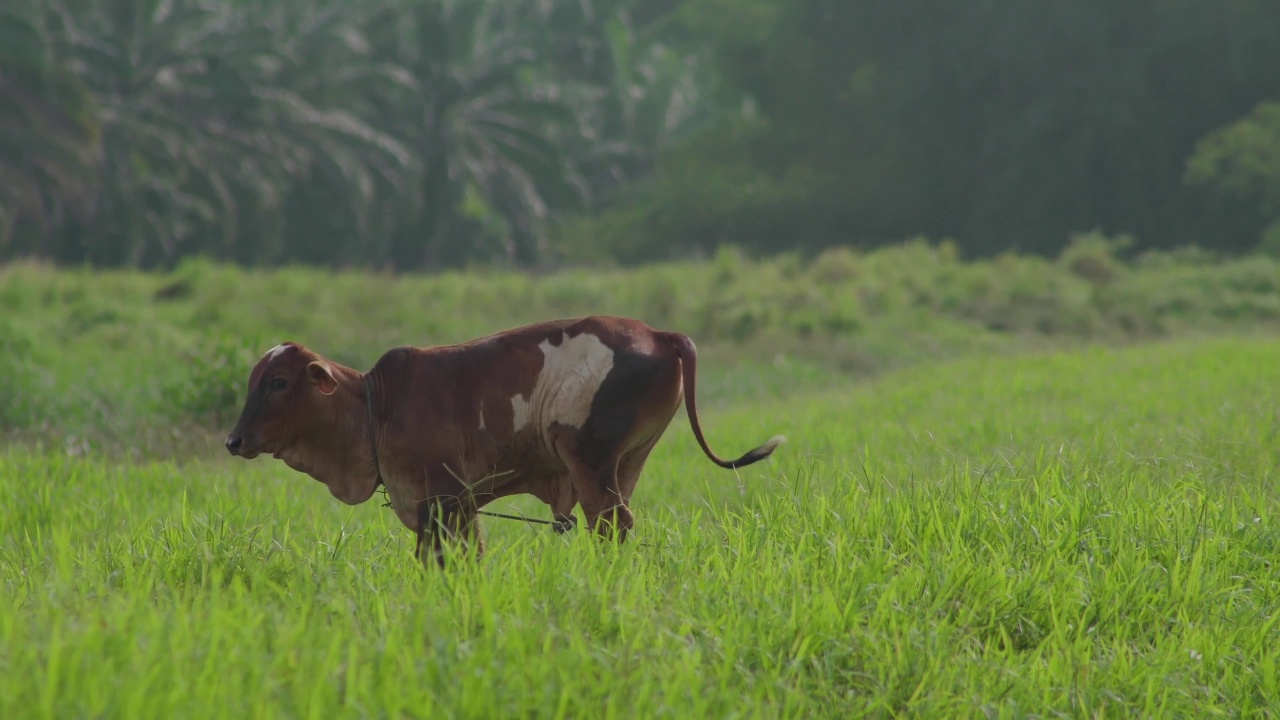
(759, 453)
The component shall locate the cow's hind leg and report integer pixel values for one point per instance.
(558, 493)
(596, 485)
(562, 507)
(631, 465)
(603, 506)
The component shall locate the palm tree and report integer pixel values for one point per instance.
(201, 128)
(346, 133)
(355, 184)
(457, 87)
(647, 91)
(49, 149)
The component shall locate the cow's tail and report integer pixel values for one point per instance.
(689, 364)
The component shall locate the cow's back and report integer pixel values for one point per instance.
(497, 388)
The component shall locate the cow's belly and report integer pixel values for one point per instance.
(526, 457)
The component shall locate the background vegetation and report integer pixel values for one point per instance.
(410, 135)
(153, 363)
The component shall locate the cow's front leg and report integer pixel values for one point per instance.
(443, 526)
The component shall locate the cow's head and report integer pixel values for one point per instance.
(299, 409)
(288, 393)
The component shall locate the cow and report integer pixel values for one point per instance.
(565, 410)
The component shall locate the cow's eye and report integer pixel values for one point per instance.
(279, 384)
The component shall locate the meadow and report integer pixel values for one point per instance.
(1006, 493)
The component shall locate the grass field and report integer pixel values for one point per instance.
(1081, 534)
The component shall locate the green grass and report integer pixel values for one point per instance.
(993, 502)
(1082, 534)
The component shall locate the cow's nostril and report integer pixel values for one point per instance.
(233, 443)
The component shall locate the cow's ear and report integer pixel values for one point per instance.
(320, 376)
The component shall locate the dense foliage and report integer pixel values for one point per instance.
(428, 134)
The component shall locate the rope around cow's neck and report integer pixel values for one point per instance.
(373, 441)
(373, 449)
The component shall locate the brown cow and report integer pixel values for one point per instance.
(566, 410)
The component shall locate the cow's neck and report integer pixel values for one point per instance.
(367, 383)
(343, 458)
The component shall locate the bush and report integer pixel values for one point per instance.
(1270, 243)
(213, 385)
(1092, 256)
(23, 386)
(89, 351)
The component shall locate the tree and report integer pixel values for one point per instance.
(200, 132)
(1005, 124)
(1241, 163)
(456, 87)
(420, 134)
(49, 137)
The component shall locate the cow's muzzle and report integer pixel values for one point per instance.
(234, 443)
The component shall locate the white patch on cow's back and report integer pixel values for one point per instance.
(571, 375)
(273, 352)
